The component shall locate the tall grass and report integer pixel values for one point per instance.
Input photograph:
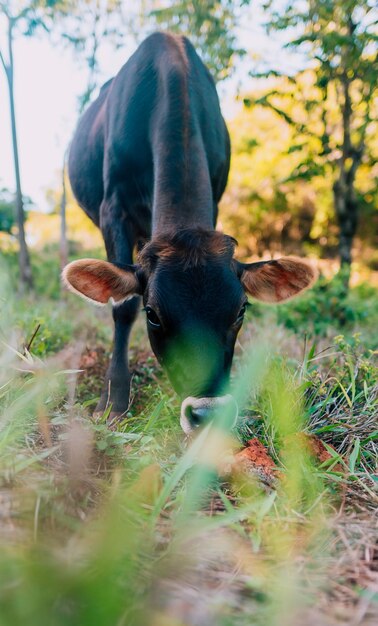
(141, 527)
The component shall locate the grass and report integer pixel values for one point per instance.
(139, 526)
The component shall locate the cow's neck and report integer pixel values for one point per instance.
(182, 190)
(183, 195)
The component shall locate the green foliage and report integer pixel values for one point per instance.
(343, 410)
(334, 123)
(6, 212)
(83, 24)
(209, 24)
(44, 310)
(280, 197)
(327, 306)
(29, 16)
(339, 36)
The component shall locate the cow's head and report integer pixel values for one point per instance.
(195, 297)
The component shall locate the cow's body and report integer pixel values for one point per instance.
(153, 150)
(150, 159)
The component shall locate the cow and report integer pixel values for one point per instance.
(149, 162)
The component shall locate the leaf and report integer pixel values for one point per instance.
(26, 462)
(347, 398)
(354, 455)
(183, 466)
(155, 414)
(372, 437)
(296, 148)
(102, 444)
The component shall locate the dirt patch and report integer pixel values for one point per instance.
(255, 459)
(93, 363)
(256, 454)
(316, 448)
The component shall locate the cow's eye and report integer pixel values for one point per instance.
(152, 317)
(242, 312)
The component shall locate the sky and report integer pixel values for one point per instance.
(48, 81)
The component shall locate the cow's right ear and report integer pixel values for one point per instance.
(276, 280)
(98, 281)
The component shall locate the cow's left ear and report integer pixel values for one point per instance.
(277, 280)
(98, 281)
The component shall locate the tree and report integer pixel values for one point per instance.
(87, 25)
(210, 24)
(21, 18)
(8, 66)
(81, 23)
(338, 36)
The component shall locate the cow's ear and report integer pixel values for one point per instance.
(99, 281)
(278, 280)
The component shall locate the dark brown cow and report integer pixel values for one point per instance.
(150, 159)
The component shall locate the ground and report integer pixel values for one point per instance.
(273, 523)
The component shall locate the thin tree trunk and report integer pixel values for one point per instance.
(345, 200)
(347, 212)
(26, 278)
(63, 222)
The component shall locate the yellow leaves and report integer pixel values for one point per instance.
(261, 201)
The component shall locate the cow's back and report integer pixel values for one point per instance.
(86, 154)
(121, 137)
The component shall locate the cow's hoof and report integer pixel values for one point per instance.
(114, 417)
(114, 409)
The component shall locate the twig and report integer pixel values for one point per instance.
(3, 62)
(29, 344)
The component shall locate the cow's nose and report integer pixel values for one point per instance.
(198, 416)
(196, 412)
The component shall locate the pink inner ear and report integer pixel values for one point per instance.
(286, 283)
(99, 280)
(91, 286)
(278, 280)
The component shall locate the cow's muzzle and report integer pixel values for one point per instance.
(196, 412)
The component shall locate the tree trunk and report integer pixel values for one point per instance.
(346, 208)
(63, 222)
(345, 201)
(26, 280)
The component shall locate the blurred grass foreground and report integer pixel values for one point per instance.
(137, 526)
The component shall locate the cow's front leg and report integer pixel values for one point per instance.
(119, 243)
(116, 391)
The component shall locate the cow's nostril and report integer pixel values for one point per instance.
(197, 416)
(196, 412)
